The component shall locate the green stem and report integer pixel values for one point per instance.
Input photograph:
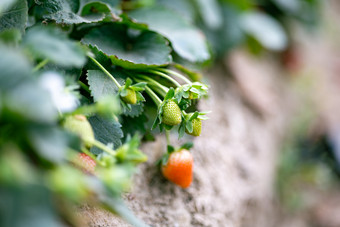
(84, 150)
(103, 147)
(176, 74)
(40, 65)
(105, 71)
(167, 135)
(165, 76)
(88, 109)
(154, 97)
(154, 82)
(84, 86)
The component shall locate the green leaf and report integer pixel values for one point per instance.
(181, 129)
(10, 37)
(65, 12)
(97, 10)
(129, 48)
(15, 16)
(32, 102)
(135, 110)
(187, 146)
(170, 94)
(139, 86)
(265, 29)
(5, 4)
(189, 126)
(106, 131)
(28, 205)
(129, 152)
(131, 125)
(170, 149)
(210, 13)
(51, 43)
(50, 143)
(186, 40)
(101, 84)
(12, 74)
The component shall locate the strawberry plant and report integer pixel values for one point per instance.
(83, 82)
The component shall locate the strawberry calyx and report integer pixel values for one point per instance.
(130, 93)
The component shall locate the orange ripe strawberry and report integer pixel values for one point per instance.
(178, 168)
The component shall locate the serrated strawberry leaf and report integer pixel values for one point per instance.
(106, 130)
(186, 40)
(101, 85)
(132, 49)
(51, 43)
(140, 97)
(14, 17)
(134, 110)
(97, 9)
(65, 12)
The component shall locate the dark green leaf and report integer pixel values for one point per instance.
(10, 37)
(101, 84)
(51, 43)
(65, 12)
(106, 131)
(131, 125)
(15, 16)
(50, 143)
(135, 110)
(32, 102)
(14, 68)
(30, 205)
(130, 48)
(265, 29)
(210, 13)
(5, 4)
(170, 149)
(186, 40)
(187, 146)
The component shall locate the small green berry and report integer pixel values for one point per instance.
(171, 113)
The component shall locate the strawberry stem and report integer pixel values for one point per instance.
(176, 74)
(40, 65)
(154, 83)
(154, 97)
(165, 76)
(105, 71)
(84, 86)
(167, 135)
(102, 146)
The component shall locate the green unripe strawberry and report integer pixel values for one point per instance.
(196, 126)
(171, 113)
(78, 124)
(131, 97)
